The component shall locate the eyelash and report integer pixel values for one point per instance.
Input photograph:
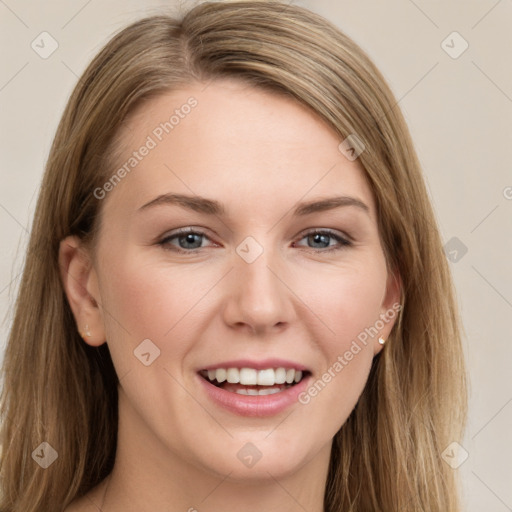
(344, 243)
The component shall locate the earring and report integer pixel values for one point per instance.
(87, 332)
(382, 341)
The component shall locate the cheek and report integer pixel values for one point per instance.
(358, 306)
(332, 396)
(348, 300)
(350, 303)
(156, 302)
(347, 355)
(139, 296)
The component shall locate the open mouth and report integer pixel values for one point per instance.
(249, 381)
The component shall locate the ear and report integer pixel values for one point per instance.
(390, 310)
(81, 287)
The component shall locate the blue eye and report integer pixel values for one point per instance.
(190, 241)
(322, 237)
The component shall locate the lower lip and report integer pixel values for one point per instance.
(250, 405)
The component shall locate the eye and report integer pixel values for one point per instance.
(188, 240)
(321, 240)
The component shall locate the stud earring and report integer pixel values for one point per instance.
(382, 341)
(86, 333)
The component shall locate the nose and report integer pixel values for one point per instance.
(258, 299)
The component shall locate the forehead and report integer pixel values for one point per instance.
(230, 140)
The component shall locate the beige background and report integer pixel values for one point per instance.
(459, 111)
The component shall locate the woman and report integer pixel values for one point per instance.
(235, 294)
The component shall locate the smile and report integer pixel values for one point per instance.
(250, 381)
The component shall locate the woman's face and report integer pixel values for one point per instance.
(247, 174)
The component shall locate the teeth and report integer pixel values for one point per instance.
(258, 392)
(233, 375)
(252, 377)
(268, 391)
(280, 376)
(266, 377)
(248, 376)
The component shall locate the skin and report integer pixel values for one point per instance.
(258, 154)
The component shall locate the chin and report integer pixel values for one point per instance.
(256, 460)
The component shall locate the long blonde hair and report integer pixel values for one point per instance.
(57, 389)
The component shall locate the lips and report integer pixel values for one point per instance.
(254, 373)
(253, 388)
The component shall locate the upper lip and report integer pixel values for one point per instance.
(257, 365)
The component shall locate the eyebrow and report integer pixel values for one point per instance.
(212, 207)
